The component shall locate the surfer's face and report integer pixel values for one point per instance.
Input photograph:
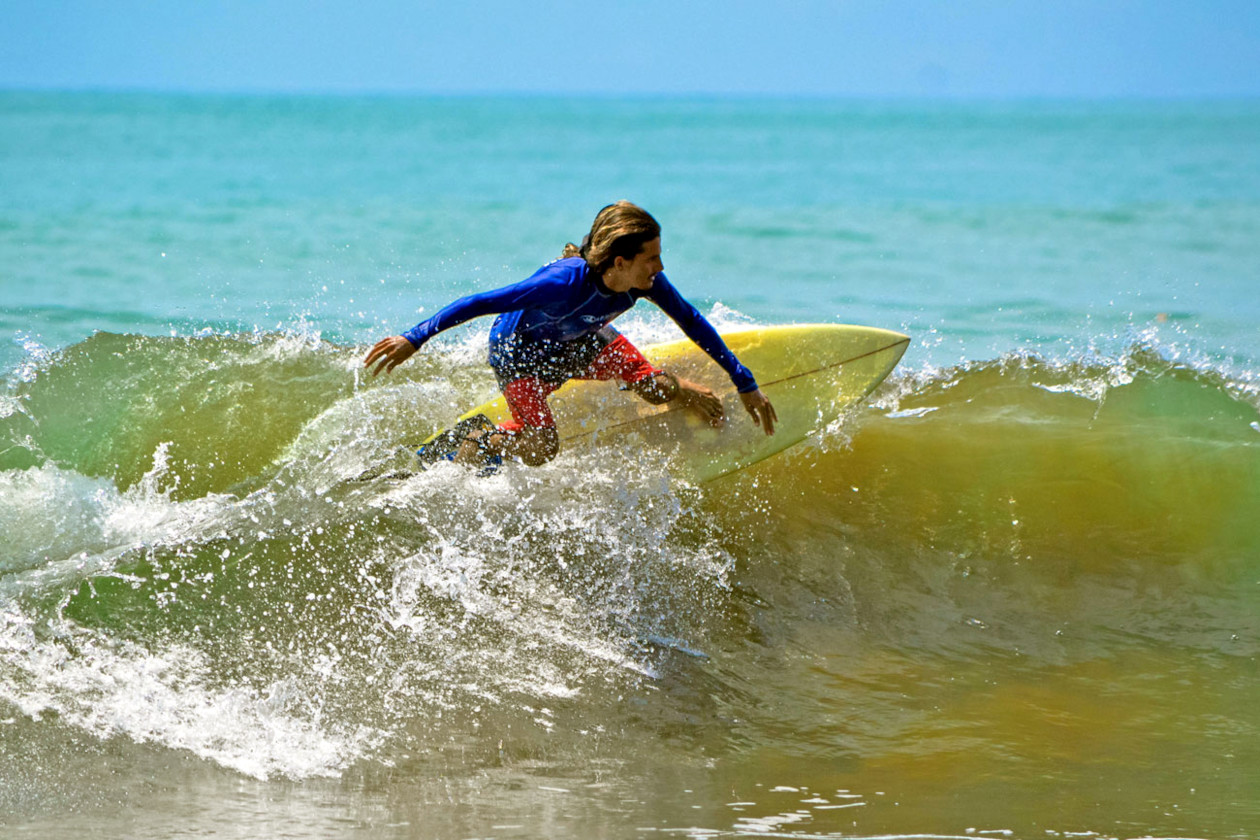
(638, 273)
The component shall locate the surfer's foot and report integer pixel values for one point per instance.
(701, 400)
(533, 446)
(480, 447)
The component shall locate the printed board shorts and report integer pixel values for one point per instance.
(529, 372)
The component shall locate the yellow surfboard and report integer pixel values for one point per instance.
(810, 372)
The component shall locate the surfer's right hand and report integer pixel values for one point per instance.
(389, 353)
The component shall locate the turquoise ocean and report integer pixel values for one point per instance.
(1016, 593)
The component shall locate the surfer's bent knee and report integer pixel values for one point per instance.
(534, 445)
(659, 388)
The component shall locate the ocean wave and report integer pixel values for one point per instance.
(188, 554)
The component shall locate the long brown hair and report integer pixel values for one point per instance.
(619, 230)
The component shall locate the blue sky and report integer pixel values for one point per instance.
(861, 48)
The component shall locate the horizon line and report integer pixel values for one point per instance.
(785, 96)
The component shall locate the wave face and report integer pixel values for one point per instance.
(1018, 566)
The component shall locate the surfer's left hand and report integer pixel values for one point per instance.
(759, 407)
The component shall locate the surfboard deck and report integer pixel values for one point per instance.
(810, 372)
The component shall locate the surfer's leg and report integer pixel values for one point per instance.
(659, 388)
(665, 387)
(622, 360)
(531, 445)
(531, 436)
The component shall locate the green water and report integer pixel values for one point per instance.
(1015, 593)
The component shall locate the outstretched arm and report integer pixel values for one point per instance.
(389, 353)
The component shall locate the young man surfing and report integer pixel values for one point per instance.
(555, 326)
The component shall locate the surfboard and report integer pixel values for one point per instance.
(810, 372)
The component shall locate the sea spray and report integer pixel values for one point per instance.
(334, 611)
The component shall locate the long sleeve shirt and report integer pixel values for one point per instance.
(564, 301)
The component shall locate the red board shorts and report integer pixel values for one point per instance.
(527, 395)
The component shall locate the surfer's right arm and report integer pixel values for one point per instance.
(389, 353)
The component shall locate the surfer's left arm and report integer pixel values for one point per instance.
(699, 330)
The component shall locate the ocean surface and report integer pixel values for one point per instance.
(1014, 594)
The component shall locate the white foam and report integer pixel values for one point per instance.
(59, 523)
(111, 687)
(50, 514)
(533, 583)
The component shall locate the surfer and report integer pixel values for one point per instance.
(555, 326)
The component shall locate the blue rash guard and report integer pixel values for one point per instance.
(559, 306)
